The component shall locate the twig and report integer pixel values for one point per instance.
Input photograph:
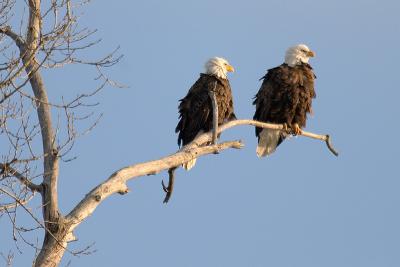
(41, 225)
(215, 113)
(17, 39)
(168, 190)
(15, 204)
(5, 168)
(330, 146)
(325, 138)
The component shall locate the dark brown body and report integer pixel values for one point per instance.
(195, 109)
(285, 96)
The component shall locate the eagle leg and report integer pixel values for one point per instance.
(168, 189)
(296, 130)
(285, 128)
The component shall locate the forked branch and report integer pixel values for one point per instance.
(202, 145)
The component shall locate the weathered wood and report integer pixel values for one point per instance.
(206, 136)
(116, 183)
(215, 113)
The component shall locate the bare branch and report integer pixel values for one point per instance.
(47, 38)
(116, 183)
(205, 138)
(15, 37)
(170, 188)
(50, 201)
(8, 259)
(15, 204)
(61, 243)
(215, 113)
(7, 169)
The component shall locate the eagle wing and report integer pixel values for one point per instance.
(195, 109)
(306, 93)
(285, 95)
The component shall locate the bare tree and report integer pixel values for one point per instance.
(49, 37)
(32, 145)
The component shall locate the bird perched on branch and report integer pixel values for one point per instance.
(195, 109)
(285, 97)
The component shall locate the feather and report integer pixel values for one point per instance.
(190, 164)
(285, 96)
(267, 142)
(195, 109)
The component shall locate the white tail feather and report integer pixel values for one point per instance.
(190, 164)
(267, 142)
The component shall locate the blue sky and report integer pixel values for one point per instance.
(300, 207)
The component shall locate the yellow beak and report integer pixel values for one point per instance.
(310, 54)
(229, 68)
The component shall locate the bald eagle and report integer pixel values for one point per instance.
(285, 97)
(195, 109)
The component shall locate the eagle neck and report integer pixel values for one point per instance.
(220, 79)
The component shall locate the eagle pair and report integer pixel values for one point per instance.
(285, 98)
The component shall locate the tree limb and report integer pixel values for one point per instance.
(168, 189)
(49, 193)
(215, 113)
(116, 183)
(51, 215)
(206, 137)
(15, 204)
(5, 168)
(15, 37)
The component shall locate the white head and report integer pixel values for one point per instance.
(218, 66)
(298, 54)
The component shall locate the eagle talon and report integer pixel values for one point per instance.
(285, 128)
(296, 130)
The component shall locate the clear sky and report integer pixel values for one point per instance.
(302, 206)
